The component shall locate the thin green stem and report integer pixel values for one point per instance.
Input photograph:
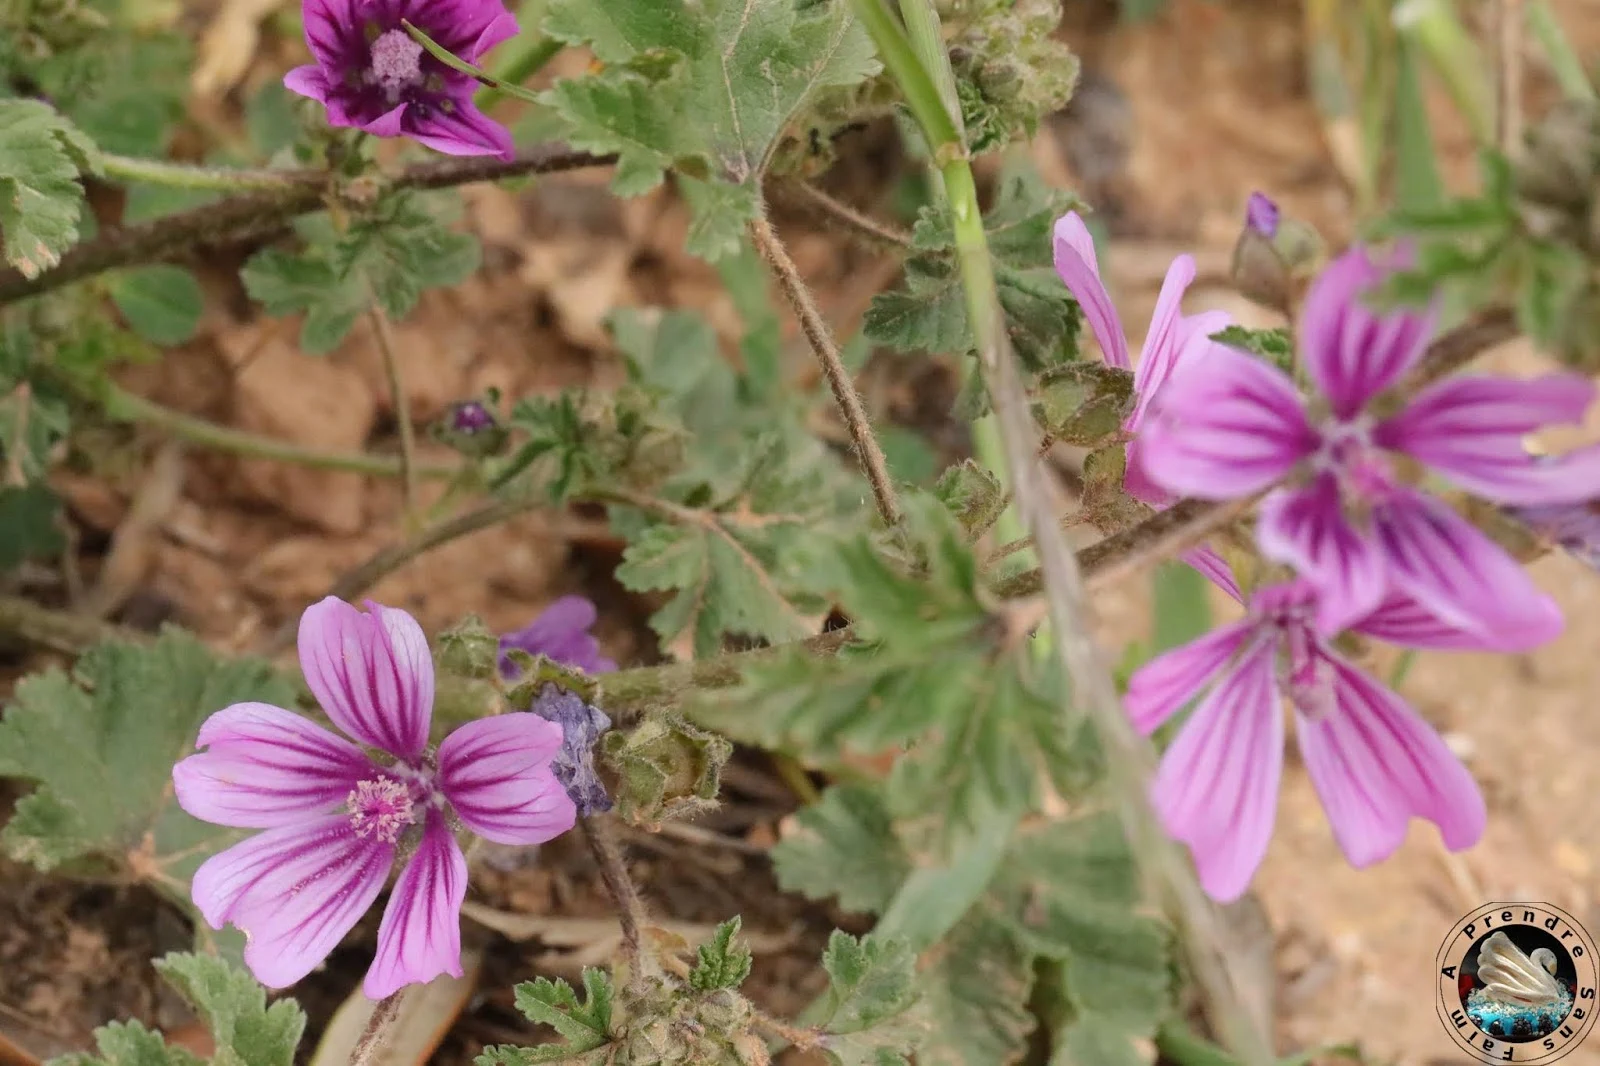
(1564, 62)
(402, 408)
(455, 62)
(222, 179)
(123, 406)
(1436, 29)
(532, 52)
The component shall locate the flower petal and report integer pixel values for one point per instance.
(333, 33)
(1453, 571)
(561, 631)
(496, 774)
(1351, 352)
(1471, 430)
(1401, 620)
(371, 672)
(1210, 563)
(1225, 427)
(1375, 764)
(295, 891)
(389, 124)
(264, 766)
(1306, 528)
(1161, 687)
(463, 131)
(1080, 272)
(1574, 526)
(1217, 788)
(308, 81)
(420, 937)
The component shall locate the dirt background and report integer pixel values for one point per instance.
(1179, 118)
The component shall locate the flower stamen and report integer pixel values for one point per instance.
(380, 807)
(396, 63)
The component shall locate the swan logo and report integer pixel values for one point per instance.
(1518, 983)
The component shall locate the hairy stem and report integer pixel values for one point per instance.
(402, 408)
(222, 179)
(630, 910)
(873, 463)
(253, 216)
(1130, 760)
(120, 405)
(370, 1044)
(857, 222)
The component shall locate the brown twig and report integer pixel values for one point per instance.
(1508, 75)
(859, 223)
(370, 1044)
(630, 910)
(251, 216)
(873, 463)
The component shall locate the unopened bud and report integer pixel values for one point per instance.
(471, 428)
(1274, 256)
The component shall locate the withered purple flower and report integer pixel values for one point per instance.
(370, 74)
(581, 725)
(561, 632)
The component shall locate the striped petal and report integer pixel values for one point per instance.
(420, 937)
(1080, 272)
(1161, 687)
(294, 891)
(496, 773)
(372, 673)
(1225, 426)
(1375, 764)
(264, 767)
(1217, 788)
(1306, 528)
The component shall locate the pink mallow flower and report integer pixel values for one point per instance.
(1352, 521)
(1173, 339)
(369, 73)
(1374, 762)
(336, 817)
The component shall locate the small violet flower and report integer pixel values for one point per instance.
(1373, 761)
(1173, 339)
(470, 417)
(369, 73)
(581, 725)
(336, 816)
(1261, 215)
(561, 632)
(1353, 523)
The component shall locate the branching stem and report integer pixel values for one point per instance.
(873, 463)
(402, 407)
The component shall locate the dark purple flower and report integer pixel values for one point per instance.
(1574, 527)
(581, 725)
(371, 75)
(1261, 215)
(1351, 518)
(561, 633)
(470, 417)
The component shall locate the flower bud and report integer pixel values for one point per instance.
(471, 428)
(1274, 256)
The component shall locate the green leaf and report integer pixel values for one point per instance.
(933, 899)
(388, 255)
(41, 154)
(161, 303)
(101, 743)
(723, 962)
(843, 846)
(248, 1031)
(974, 495)
(28, 517)
(92, 87)
(1275, 345)
(930, 315)
(870, 1003)
(975, 994)
(129, 1044)
(1182, 605)
(585, 1025)
(706, 89)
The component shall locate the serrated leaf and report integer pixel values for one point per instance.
(976, 996)
(28, 517)
(248, 1031)
(706, 89)
(871, 1020)
(974, 495)
(91, 85)
(101, 743)
(41, 154)
(129, 1044)
(161, 303)
(723, 962)
(586, 1025)
(844, 846)
(1276, 345)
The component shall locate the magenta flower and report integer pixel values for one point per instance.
(1374, 763)
(1353, 522)
(370, 74)
(561, 632)
(1261, 215)
(336, 817)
